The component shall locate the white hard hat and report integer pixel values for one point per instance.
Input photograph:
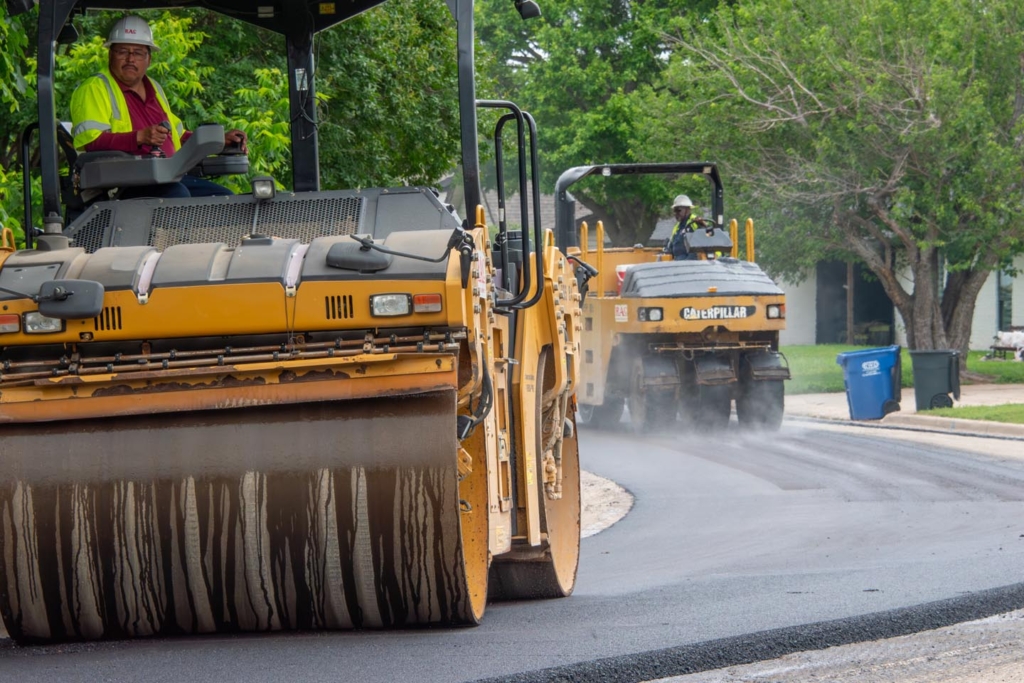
(682, 200)
(132, 31)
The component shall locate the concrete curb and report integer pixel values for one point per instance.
(832, 407)
(954, 425)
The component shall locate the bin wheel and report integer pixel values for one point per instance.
(890, 406)
(941, 401)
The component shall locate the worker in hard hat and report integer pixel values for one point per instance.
(123, 109)
(682, 208)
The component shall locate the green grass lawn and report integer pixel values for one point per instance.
(1011, 412)
(815, 370)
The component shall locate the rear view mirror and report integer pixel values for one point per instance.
(70, 299)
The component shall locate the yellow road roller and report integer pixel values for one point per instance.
(312, 409)
(677, 338)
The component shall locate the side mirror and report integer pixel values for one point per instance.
(70, 299)
(528, 9)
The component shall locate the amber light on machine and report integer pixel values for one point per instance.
(426, 303)
(10, 323)
(776, 310)
(37, 323)
(387, 305)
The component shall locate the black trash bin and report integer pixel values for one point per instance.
(936, 376)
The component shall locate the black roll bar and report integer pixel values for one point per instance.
(565, 234)
(523, 121)
(26, 178)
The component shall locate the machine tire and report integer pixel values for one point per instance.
(714, 407)
(550, 570)
(761, 405)
(649, 409)
(604, 415)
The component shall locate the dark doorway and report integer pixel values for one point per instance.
(873, 312)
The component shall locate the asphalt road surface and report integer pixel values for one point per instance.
(738, 549)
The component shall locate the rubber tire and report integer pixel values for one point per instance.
(603, 416)
(761, 405)
(550, 570)
(714, 407)
(649, 409)
(941, 401)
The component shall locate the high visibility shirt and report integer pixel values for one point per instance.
(676, 242)
(99, 105)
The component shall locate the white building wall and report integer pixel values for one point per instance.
(986, 315)
(900, 331)
(906, 278)
(801, 316)
(801, 312)
(1018, 293)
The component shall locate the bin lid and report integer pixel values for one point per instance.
(934, 352)
(866, 354)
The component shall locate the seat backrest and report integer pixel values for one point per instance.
(66, 142)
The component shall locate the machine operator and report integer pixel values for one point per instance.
(682, 208)
(123, 109)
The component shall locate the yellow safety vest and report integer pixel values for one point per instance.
(691, 225)
(98, 105)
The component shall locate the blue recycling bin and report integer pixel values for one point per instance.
(872, 380)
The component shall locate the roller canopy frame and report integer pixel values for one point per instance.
(565, 203)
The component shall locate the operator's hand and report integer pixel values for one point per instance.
(237, 137)
(154, 135)
(701, 222)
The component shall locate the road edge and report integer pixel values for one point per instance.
(764, 645)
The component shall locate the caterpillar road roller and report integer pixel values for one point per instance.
(312, 409)
(672, 338)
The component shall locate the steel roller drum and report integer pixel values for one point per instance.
(319, 515)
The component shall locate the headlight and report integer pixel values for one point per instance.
(37, 323)
(263, 188)
(776, 310)
(387, 305)
(650, 315)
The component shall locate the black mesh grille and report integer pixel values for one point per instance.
(338, 307)
(301, 219)
(91, 236)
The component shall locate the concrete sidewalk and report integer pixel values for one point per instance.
(834, 407)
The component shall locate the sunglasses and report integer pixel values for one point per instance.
(123, 53)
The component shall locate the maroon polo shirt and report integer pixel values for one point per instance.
(143, 114)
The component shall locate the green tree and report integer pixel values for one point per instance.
(889, 130)
(13, 44)
(581, 70)
(393, 115)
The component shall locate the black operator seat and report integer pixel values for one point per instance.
(109, 170)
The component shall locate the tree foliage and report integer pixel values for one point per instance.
(889, 130)
(580, 70)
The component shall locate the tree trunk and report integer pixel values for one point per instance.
(932, 323)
